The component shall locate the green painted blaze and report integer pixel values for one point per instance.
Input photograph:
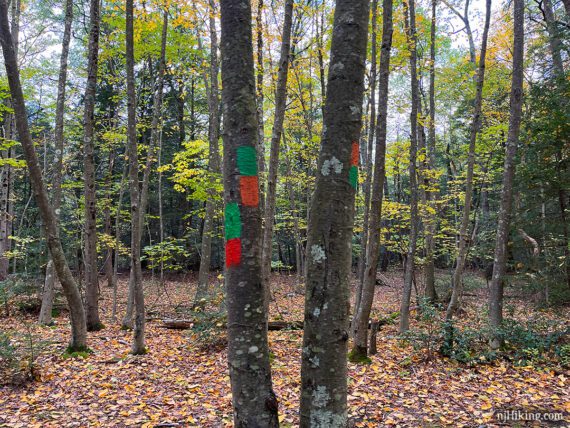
(353, 176)
(247, 160)
(232, 221)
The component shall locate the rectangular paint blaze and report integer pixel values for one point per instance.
(249, 189)
(233, 252)
(232, 221)
(353, 171)
(247, 160)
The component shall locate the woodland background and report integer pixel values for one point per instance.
(435, 221)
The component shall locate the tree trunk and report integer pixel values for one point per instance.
(430, 226)
(77, 314)
(362, 314)
(556, 46)
(6, 171)
(118, 237)
(296, 229)
(278, 118)
(254, 401)
(467, 27)
(565, 232)
(213, 160)
(150, 157)
(90, 230)
(260, 73)
(327, 298)
(155, 124)
(504, 217)
(108, 261)
(414, 218)
(368, 161)
(49, 284)
(554, 41)
(464, 235)
(137, 286)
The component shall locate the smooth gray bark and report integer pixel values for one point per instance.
(330, 228)
(254, 402)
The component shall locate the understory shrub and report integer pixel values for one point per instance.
(18, 356)
(538, 341)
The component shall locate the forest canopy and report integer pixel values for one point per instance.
(313, 197)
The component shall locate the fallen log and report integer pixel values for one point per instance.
(184, 324)
(285, 325)
(177, 324)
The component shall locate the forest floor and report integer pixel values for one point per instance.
(183, 382)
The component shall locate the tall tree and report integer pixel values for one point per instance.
(90, 228)
(324, 366)
(6, 171)
(409, 266)
(430, 225)
(464, 233)
(253, 398)
(136, 270)
(367, 158)
(362, 315)
(259, 75)
(48, 292)
(554, 42)
(150, 158)
(504, 217)
(464, 17)
(213, 157)
(77, 314)
(278, 118)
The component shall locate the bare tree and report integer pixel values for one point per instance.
(324, 359)
(77, 314)
(254, 401)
